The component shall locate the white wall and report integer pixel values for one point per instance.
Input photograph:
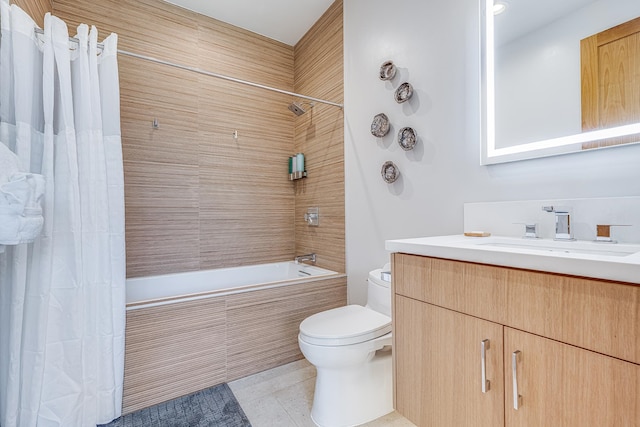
(435, 44)
(507, 218)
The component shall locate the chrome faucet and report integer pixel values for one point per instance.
(307, 257)
(563, 222)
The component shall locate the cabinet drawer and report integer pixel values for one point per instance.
(593, 314)
(478, 290)
(411, 274)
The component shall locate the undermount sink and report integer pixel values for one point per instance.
(610, 261)
(566, 247)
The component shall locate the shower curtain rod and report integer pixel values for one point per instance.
(208, 73)
(224, 77)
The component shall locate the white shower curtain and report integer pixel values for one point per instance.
(62, 307)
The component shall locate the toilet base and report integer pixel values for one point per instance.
(350, 397)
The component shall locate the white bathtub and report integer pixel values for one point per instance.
(189, 331)
(170, 288)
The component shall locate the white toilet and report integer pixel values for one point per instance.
(351, 350)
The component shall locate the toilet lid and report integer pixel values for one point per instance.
(344, 325)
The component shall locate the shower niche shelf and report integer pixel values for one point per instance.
(297, 175)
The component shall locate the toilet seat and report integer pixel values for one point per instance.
(344, 326)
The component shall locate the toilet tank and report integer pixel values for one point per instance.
(379, 292)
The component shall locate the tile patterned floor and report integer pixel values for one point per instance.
(282, 397)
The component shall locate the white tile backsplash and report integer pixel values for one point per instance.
(507, 218)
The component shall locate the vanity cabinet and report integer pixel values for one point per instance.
(438, 369)
(564, 385)
(576, 343)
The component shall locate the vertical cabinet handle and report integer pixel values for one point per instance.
(517, 399)
(484, 346)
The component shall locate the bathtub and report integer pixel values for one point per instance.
(189, 331)
(170, 288)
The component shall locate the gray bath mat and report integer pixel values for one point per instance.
(215, 406)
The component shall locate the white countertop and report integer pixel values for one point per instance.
(609, 261)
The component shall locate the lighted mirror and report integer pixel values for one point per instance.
(559, 77)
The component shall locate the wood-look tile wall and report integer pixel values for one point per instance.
(262, 326)
(319, 134)
(177, 349)
(173, 350)
(35, 8)
(196, 198)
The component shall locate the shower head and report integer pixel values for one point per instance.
(298, 109)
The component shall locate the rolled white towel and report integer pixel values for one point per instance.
(21, 193)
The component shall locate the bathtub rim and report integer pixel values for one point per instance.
(174, 299)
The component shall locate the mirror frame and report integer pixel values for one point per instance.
(489, 154)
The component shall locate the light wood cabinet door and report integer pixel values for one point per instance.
(439, 366)
(567, 386)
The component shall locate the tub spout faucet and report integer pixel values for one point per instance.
(308, 257)
(563, 222)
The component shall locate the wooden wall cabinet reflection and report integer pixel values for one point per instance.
(610, 80)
